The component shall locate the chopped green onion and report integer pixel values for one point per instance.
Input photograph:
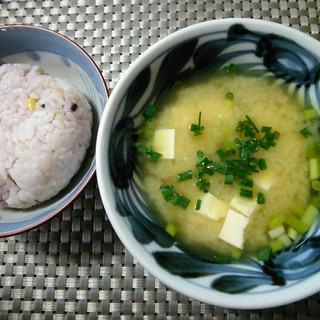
(314, 168)
(202, 158)
(229, 96)
(310, 215)
(293, 234)
(266, 129)
(170, 194)
(177, 83)
(150, 112)
(306, 132)
(315, 184)
(313, 150)
(236, 253)
(230, 152)
(276, 221)
(184, 176)
(203, 185)
(315, 200)
(171, 229)
(208, 168)
(252, 124)
(228, 179)
(167, 192)
(286, 241)
(231, 68)
(246, 182)
(197, 128)
(154, 156)
(230, 145)
(261, 199)
(221, 168)
(264, 254)
(298, 210)
(276, 232)
(183, 202)
(220, 259)
(276, 245)
(310, 114)
(149, 153)
(221, 154)
(296, 224)
(262, 163)
(198, 204)
(246, 193)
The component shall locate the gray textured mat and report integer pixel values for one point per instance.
(75, 267)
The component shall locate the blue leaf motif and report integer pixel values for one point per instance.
(136, 90)
(182, 264)
(238, 284)
(121, 153)
(174, 66)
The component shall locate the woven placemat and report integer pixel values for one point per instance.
(74, 266)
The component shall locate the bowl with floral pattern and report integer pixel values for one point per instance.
(282, 53)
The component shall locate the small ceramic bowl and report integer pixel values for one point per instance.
(285, 53)
(59, 57)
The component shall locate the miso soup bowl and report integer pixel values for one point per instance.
(271, 48)
(59, 56)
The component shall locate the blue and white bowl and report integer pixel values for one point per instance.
(63, 58)
(273, 49)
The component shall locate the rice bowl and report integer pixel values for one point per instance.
(62, 58)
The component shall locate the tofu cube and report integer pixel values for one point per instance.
(244, 205)
(213, 207)
(163, 142)
(233, 229)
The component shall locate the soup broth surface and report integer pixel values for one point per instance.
(267, 104)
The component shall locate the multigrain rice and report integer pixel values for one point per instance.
(45, 130)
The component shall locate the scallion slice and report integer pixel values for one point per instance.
(216, 259)
(228, 179)
(198, 204)
(315, 200)
(246, 193)
(203, 185)
(252, 124)
(197, 128)
(296, 224)
(231, 68)
(306, 132)
(310, 114)
(150, 111)
(229, 96)
(262, 164)
(246, 182)
(185, 176)
(170, 194)
(171, 229)
(315, 184)
(149, 153)
(264, 254)
(261, 199)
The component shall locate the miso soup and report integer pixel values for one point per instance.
(205, 116)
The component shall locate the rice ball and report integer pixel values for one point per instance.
(45, 131)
